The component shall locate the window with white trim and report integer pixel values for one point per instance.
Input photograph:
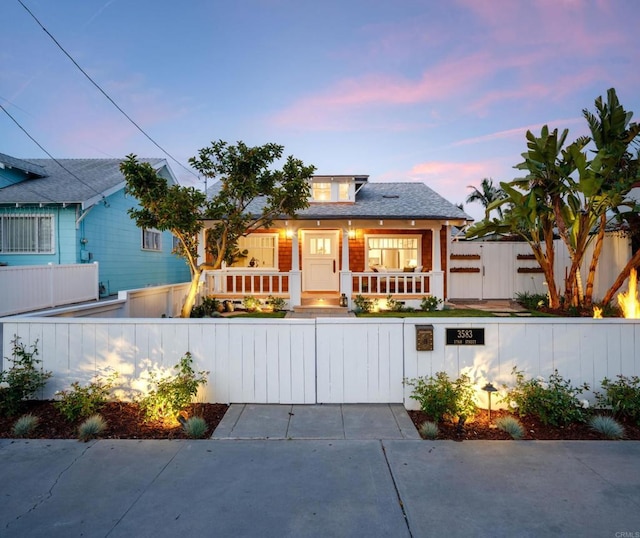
(257, 250)
(321, 192)
(393, 252)
(26, 234)
(151, 239)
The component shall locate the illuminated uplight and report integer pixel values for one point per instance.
(629, 301)
(597, 312)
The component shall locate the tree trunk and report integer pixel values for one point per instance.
(634, 262)
(190, 300)
(597, 250)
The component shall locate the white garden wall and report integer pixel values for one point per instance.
(327, 360)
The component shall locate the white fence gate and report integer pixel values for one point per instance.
(501, 269)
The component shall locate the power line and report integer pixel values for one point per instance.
(49, 154)
(105, 93)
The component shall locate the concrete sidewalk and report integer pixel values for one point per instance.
(318, 488)
(325, 421)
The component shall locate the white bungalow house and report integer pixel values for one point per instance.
(356, 237)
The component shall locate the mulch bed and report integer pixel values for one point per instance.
(479, 429)
(125, 420)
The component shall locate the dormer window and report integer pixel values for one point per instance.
(321, 192)
(343, 192)
(332, 189)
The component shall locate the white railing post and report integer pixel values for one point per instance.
(295, 288)
(436, 285)
(52, 280)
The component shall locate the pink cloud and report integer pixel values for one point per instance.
(518, 132)
(440, 82)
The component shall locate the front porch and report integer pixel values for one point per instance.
(236, 284)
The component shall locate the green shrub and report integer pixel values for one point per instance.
(441, 398)
(208, 308)
(511, 425)
(23, 379)
(80, 402)
(623, 396)
(429, 430)
(25, 425)
(251, 303)
(554, 402)
(394, 305)
(168, 396)
(532, 301)
(430, 303)
(364, 304)
(91, 428)
(277, 303)
(607, 426)
(195, 427)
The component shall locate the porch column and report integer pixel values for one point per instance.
(345, 250)
(436, 263)
(345, 272)
(436, 281)
(295, 276)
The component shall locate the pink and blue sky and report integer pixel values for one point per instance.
(403, 90)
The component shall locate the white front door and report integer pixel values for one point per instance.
(320, 271)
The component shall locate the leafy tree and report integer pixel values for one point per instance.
(566, 192)
(251, 195)
(245, 177)
(486, 195)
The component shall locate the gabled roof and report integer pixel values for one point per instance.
(28, 168)
(81, 181)
(379, 201)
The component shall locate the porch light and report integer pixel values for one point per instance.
(352, 233)
(289, 233)
(413, 223)
(381, 223)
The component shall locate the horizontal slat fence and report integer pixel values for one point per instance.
(327, 360)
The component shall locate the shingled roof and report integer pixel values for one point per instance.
(65, 180)
(379, 201)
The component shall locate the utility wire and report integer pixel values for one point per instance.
(105, 93)
(49, 154)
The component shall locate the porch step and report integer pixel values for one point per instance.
(320, 312)
(320, 302)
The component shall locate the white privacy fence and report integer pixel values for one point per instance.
(328, 360)
(500, 269)
(26, 288)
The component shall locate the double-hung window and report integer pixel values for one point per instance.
(26, 234)
(151, 239)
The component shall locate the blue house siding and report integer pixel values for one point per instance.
(86, 201)
(115, 242)
(64, 236)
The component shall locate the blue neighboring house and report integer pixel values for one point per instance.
(68, 211)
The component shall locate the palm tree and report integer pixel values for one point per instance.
(487, 194)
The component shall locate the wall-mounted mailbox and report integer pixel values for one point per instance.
(424, 337)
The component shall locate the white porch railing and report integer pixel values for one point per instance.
(246, 282)
(399, 283)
